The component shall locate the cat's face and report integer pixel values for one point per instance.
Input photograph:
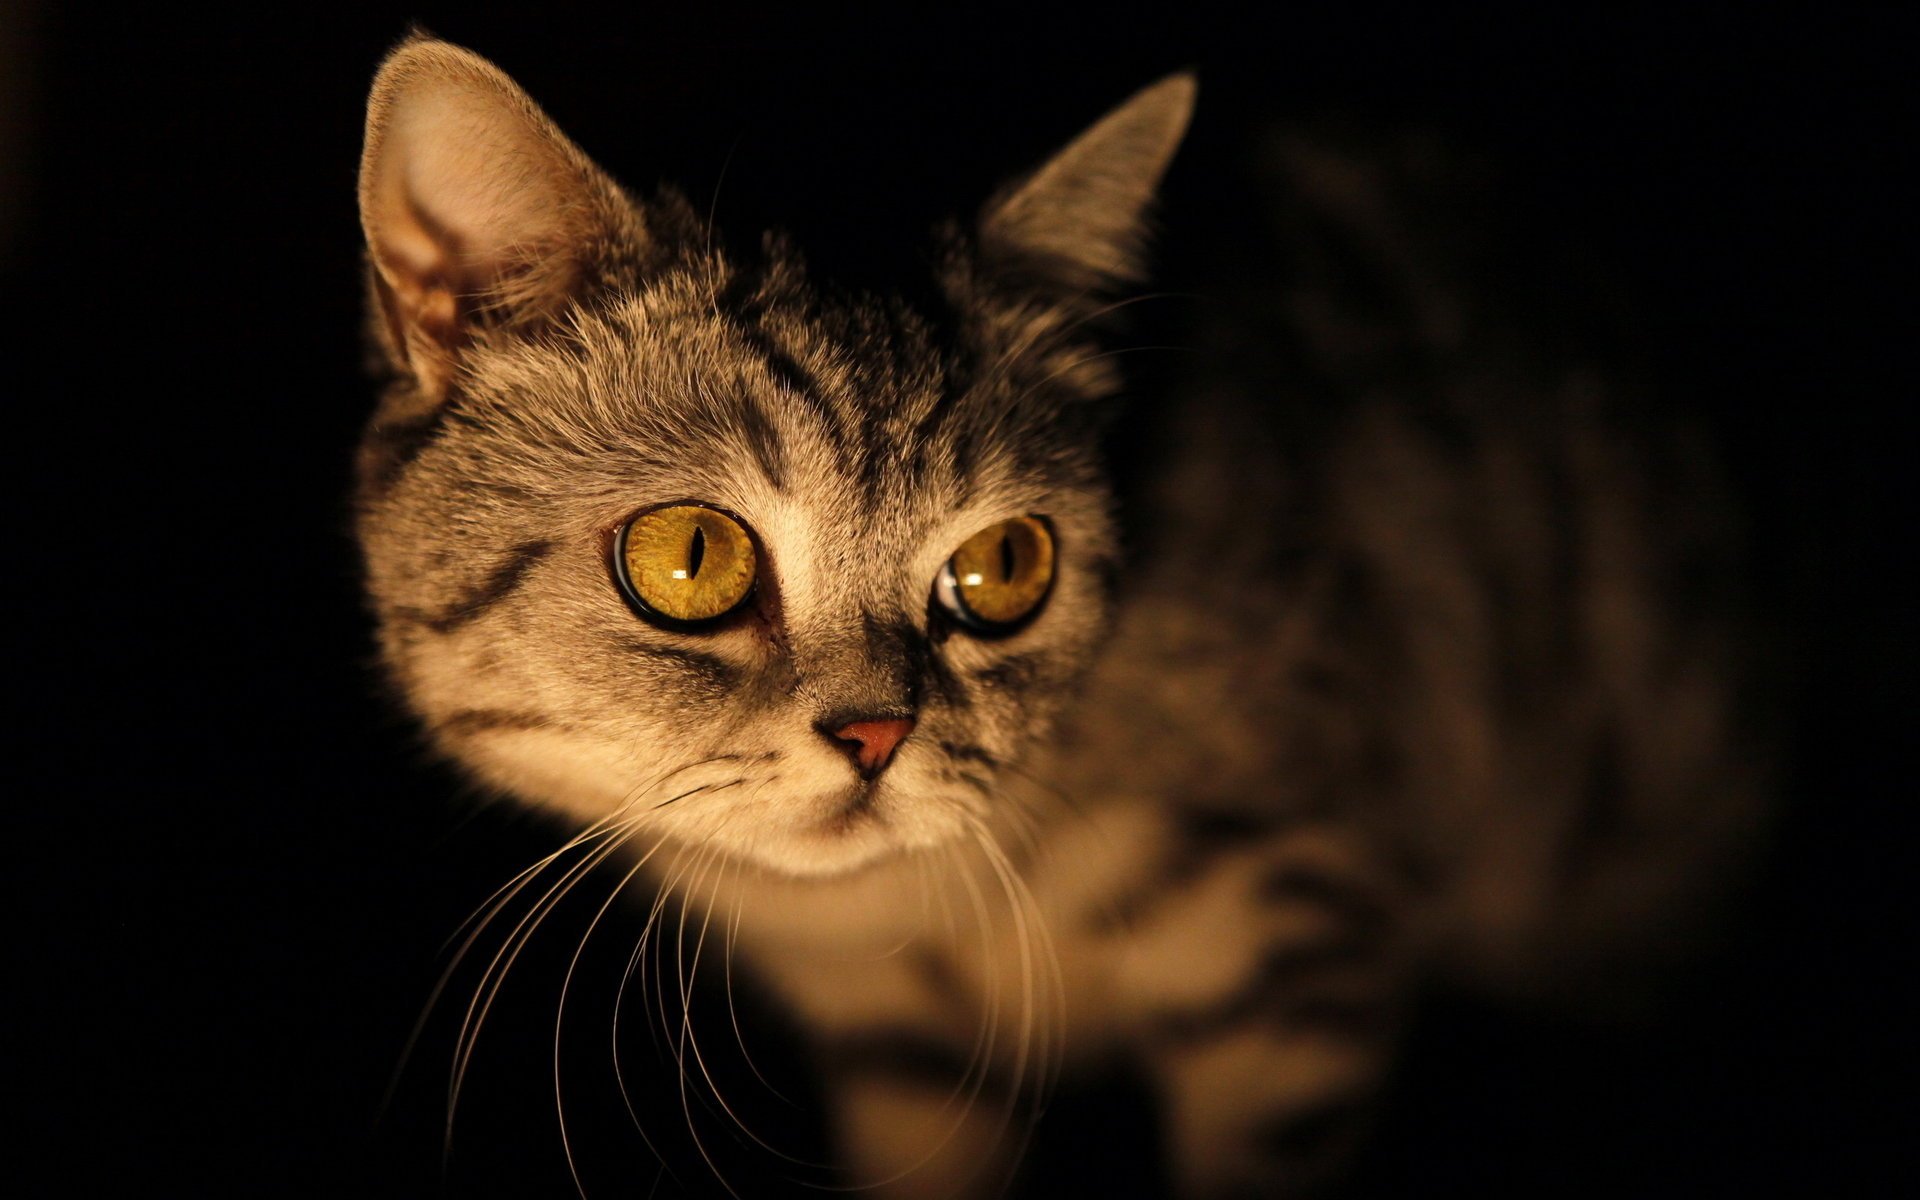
(513, 619)
(685, 546)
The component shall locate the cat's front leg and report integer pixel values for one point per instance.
(913, 1117)
(1268, 992)
(920, 1065)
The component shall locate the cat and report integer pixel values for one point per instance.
(812, 609)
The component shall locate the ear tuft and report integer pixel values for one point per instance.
(476, 208)
(1081, 217)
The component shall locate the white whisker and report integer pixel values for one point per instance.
(566, 984)
(496, 971)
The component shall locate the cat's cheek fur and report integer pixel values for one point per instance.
(571, 774)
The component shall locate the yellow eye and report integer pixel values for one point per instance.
(685, 562)
(999, 576)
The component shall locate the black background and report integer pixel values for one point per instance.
(235, 869)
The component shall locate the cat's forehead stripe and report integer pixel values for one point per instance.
(762, 437)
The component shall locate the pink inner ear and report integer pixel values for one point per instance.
(468, 195)
(410, 243)
(476, 208)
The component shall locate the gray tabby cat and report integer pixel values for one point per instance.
(810, 609)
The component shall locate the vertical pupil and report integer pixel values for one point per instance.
(1006, 558)
(697, 552)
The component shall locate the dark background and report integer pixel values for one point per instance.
(236, 871)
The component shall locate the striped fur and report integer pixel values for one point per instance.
(1392, 686)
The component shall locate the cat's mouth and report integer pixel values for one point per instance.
(868, 821)
(847, 829)
(837, 827)
(855, 807)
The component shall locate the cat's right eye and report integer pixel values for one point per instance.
(998, 577)
(685, 564)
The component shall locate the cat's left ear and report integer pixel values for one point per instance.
(1080, 219)
(478, 211)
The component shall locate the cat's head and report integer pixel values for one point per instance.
(665, 540)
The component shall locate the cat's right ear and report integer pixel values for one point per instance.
(478, 212)
(1079, 220)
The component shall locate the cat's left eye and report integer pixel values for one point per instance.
(998, 578)
(685, 563)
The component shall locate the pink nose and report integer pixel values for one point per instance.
(871, 743)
